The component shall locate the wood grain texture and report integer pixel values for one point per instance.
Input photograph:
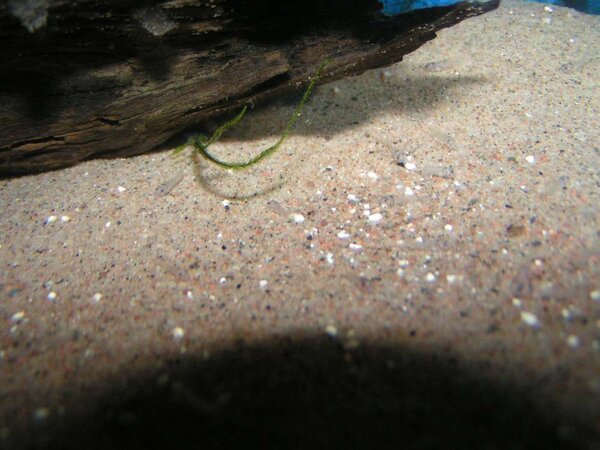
(108, 78)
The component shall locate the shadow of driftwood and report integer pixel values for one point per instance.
(361, 101)
(240, 189)
(311, 393)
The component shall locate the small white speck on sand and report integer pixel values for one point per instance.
(530, 159)
(451, 278)
(64, 218)
(352, 198)
(330, 258)
(355, 247)
(408, 192)
(595, 295)
(296, 218)
(190, 295)
(375, 218)
(52, 296)
(222, 280)
(530, 319)
(343, 234)
(430, 277)
(97, 297)
(121, 189)
(517, 302)
(410, 166)
(448, 227)
(50, 219)
(225, 203)
(372, 175)
(263, 284)
(400, 272)
(107, 224)
(403, 263)
(331, 330)
(178, 333)
(17, 317)
(573, 341)
(41, 413)
(566, 314)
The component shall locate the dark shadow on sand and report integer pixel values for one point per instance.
(299, 393)
(362, 99)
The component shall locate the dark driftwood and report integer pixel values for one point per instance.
(91, 78)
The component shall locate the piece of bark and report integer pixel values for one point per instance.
(84, 78)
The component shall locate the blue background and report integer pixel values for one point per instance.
(394, 7)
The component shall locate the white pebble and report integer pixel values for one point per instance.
(343, 234)
(517, 302)
(51, 219)
(65, 218)
(18, 316)
(225, 203)
(41, 413)
(403, 263)
(97, 297)
(530, 319)
(372, 175)
(448, 227)
(222, 280)
(352, 198)
(451, 279)
(567, 314)
(375, 218)
(330, 258)
(530, 159)
(296, 218)
(573, 341)
(107, 225)
(121, 189)
(263, 284)
(355, 247)
(52, 296)
(331, 330)
(410, 166)
(595, 295)
(178, 333)
(408, 192)
(430, 277)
